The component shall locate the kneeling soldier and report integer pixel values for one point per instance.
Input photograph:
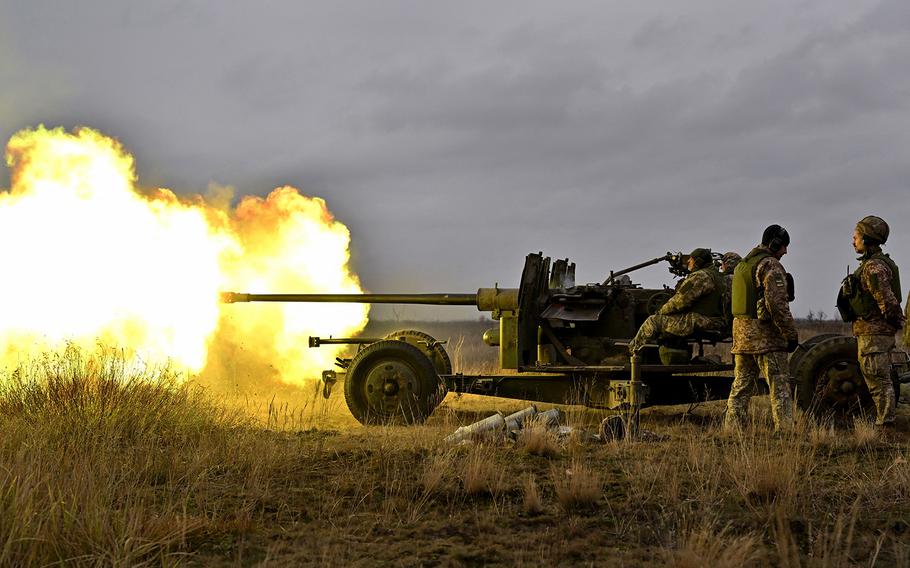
(763, 331)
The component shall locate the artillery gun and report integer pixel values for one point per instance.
(564, 343)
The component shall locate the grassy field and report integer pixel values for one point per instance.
(105, 464)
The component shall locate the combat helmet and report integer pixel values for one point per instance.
(729, 261)
(702, 257)
(873, 228)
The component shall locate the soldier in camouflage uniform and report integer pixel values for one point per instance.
(873, 296)
(728, 263)
(697, 304)
(763, 331)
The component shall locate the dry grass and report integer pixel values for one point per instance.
(578, 487)
(105, 464)
(895, 479)
(710, 546)
(100, 461)
(435, 471)
(785, 546)
(481, 474)
(864, 434)
(824, 436)
(833, 545)
(532, 503)
(538, 440)
(766, 473)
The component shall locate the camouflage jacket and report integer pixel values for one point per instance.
(693, 287)
(774, 325)
(875, 278)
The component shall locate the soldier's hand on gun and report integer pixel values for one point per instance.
(792, 344)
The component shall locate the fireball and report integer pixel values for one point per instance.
(90, 258)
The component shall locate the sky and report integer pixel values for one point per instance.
(454, 138)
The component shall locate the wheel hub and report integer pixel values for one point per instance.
(841, 383)
(389, 381)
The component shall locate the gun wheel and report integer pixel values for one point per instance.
(829, 380)
(428, 345)
(391, 382)
(797, 356)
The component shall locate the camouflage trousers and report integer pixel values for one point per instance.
(677, 325)
(875, 361)
(773, 366)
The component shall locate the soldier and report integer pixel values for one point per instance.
(763, 331)
(728, 263)
(697, 304)
(870, 298)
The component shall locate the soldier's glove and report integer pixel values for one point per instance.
(792, 344)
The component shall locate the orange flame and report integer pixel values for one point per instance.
(88, 258)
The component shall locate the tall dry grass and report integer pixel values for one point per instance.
(537, 439)
(578, 487)
(104, 462)
(767, 473)
(532, 502)
(481, 474)
(709, 545)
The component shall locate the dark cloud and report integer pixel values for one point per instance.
(455, 139)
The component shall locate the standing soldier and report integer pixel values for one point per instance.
(763, 331)
(870, 298)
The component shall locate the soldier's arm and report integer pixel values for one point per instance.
(692, 288)
(877, 279)
(774, 280)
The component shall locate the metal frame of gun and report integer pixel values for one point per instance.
(677, 262)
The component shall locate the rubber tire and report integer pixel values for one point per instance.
(425, 395)
(437, 354)
(804, 347)
(819, 357)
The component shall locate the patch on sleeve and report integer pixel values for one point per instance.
(779, 281)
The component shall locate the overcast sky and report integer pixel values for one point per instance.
(455, 137)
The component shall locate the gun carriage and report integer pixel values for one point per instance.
(564, 343)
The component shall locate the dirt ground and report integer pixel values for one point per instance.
(400, 496)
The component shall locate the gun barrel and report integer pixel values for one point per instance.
(653, 261)
(486, 299)
(428, 299)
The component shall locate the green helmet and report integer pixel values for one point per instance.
(702, 257)
(873, 228)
